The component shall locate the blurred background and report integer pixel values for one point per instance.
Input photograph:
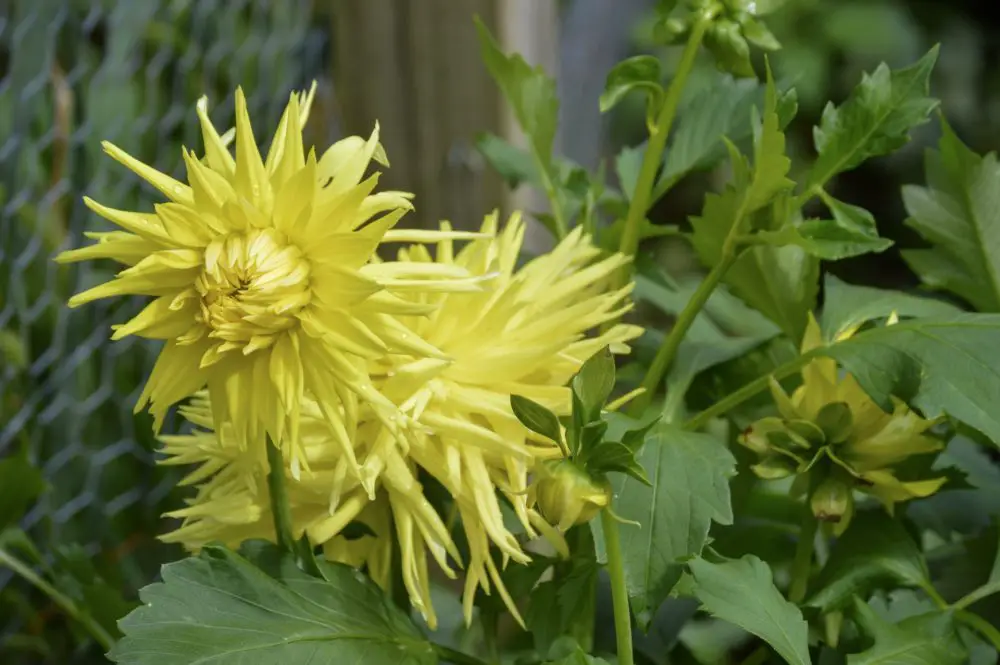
(76, 72)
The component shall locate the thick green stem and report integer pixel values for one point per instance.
(802, 563)
(450, 655)
(619, 592)
(665, 356)
(734, 399)
(984, 591)
(555, 200)
(66, 603)
(981, 626)
(279, 498)
(653, 157)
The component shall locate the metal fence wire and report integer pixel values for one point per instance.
(74, 73)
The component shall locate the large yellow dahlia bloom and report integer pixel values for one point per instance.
(262, 282)
(525, 333)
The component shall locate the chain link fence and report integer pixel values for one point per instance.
(74, 73)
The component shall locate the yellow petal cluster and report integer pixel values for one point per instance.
(262, 285)
(526, 331)
(836, 439)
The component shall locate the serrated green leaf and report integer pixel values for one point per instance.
(690, 475)
(720, 110)
(928, 639)
(536, 417)
(874, 552)
(742, 592)
(875, 120)
(959, 213)
(594, 382)
(846, 306)
(941, 365)
(557, 604)
(771, 165)
(20, 485)
(641, 72)
(566, 651)
(530, 92)
(851, 232)
(222, 607)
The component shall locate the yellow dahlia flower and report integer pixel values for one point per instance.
(261, 279)
(525, 333)
(836, 440)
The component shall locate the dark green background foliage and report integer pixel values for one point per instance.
(74, 72)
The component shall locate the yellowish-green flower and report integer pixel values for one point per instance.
(262, 282)
(836, 439)
(525, 333)
(566, 495)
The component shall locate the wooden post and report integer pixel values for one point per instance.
(415, 67)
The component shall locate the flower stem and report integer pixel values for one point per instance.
(668, 351)
(734, 399)
(66, 603)
(619, 593)
(653, 156)
(279, 498)
(981, 626)
(802, 563)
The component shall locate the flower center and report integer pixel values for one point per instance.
(253, 285)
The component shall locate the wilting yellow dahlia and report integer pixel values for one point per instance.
(525, 333)
(837, 440)
(261, 280)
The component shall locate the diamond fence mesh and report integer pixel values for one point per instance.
(74, 73)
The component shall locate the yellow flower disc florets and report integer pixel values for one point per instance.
(252, 287)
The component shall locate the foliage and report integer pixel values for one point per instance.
(864, 531)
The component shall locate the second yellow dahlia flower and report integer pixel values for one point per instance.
(261, 281)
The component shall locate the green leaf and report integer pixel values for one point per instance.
(566, 651)
(612, 456)
(220, 607)
(559, 604)
(846, 306)
(771, 165)
(77, 577)
(530, 92)
(720, 110)
(964, 511)
(536, 417)
(928, 639)
(20, 485)
(875, 120)
(513, 164)
(779, 282)
(945, 365)
(641, 72)
(12, 351)
(874, 552)
(958, 212)
(593, 384)
(743, 593)
(851, 232)
(690, 475)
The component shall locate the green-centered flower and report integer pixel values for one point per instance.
(832, 435)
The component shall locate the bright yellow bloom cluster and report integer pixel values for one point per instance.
(837, 440)
(524, 332)
(263, 285)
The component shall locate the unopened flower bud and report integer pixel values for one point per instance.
(567, 495)
(832, 501)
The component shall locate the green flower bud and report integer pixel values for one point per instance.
(836, 421)
(732, 53)
(832, 502)
(567, 495)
